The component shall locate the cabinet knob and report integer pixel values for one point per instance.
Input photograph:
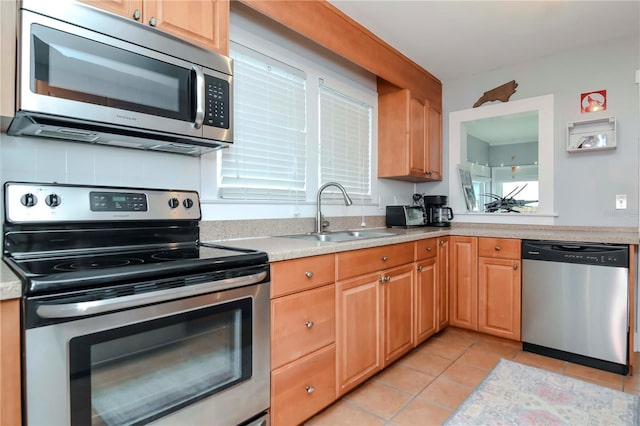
(136, 14)
(498, 248)
(429, 172)
(309, 389)
(419, 268)
(152, 21)
(428, 248)
(308, 274)
(515, 266)
(385, 258)
(440, 243)
(309, 324)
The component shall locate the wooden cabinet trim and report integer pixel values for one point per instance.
(325, 24)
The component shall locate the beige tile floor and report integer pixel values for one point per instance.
(425, 386)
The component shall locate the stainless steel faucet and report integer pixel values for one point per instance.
(320, 221)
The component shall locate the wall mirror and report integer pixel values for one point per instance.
(506, 148)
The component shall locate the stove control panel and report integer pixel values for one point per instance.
(50, 202)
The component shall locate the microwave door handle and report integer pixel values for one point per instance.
(200, 95)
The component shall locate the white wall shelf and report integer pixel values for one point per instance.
(591, 135)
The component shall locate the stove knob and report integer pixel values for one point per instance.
(173, 203)
(53, 200)
(28, 200)
(187, 203)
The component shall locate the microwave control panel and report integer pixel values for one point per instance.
(217, 102)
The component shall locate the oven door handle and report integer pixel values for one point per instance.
(92, 307)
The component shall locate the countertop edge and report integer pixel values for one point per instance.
(280, 248)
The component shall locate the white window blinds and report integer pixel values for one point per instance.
(268, 158)
(345, 142)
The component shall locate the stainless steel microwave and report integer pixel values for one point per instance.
(92, 76)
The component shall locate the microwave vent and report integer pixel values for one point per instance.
(180, 149)
(68, 134)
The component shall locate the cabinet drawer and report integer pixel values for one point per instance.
(302, 323)
(359, 262)
(301, 389)
(290, 276)
(500, 248)
(426, 249)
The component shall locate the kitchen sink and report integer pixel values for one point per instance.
(340, 236)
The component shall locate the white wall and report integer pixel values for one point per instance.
(585, 184)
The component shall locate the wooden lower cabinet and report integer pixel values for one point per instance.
(10, 393)
(499, 287)
(303, 326)
(398, 300)
(304, 387)
(463, 287)
(442, 299)
(358, 333)
(426, 322)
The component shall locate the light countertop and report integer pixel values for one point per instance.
(281, 248)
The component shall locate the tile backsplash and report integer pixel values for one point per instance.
(49, 160)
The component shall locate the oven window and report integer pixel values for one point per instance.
(138, 373)
(75, 68)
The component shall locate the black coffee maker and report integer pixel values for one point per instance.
(436, 211)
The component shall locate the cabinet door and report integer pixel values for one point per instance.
(126, 8)
(302, 388)
(302, 323)
(10, 413)
(417, 126)
(499, 297)
(443, 284)
(426, 321)
(204, 22)
(464, 286)
(393, 134)
(397, 288)
(358, 338)
(434, 143)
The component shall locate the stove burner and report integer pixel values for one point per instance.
(95, 264)
(176, 254)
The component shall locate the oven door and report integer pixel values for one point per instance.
(178, 362)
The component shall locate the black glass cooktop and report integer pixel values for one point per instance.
(63, 272)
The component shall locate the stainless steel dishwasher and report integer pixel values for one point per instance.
(575, 302)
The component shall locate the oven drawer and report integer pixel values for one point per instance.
(304, 387)
(301, 323)
(295, 275)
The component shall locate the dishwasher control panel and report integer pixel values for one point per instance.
(582, 253)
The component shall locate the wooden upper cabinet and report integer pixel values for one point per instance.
(434, 141)
(409, 136)
(203, 22)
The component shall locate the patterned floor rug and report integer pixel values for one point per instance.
(516, 394)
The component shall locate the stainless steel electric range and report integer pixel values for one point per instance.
(127, 317)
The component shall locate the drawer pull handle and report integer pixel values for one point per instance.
(419, 268)
(498, 248)
(309, 389)
(515, 266)
(428, 248)
(385, 258)
(309, 324)
(308, 274)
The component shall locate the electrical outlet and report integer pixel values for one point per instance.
(621, 201)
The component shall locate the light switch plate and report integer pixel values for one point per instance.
(621, 201)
